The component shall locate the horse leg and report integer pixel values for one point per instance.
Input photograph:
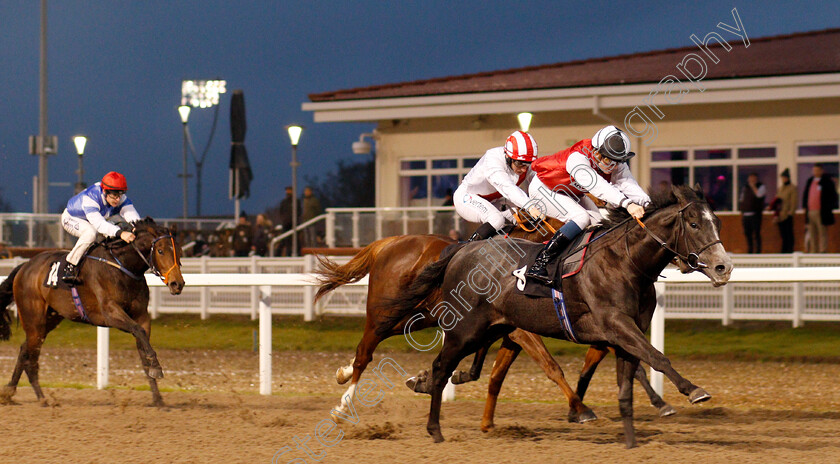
(504, 358)
(625, 370)
(145, 322)
(534, 346)
(364, 355)
(117, 318)
(453, 351)
(474, 373)
(633, 341)
(664, 408)
(594, 356)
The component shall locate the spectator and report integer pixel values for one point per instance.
(447, 201)
(455, 235)
(262, 235)
(311, 208)
(242, 236)
(783, 207)
(5, 253)
(281, 216)
(819, 198)
(751, 204)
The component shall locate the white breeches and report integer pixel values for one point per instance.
(473, 208)
(78, 228)
(561, 206)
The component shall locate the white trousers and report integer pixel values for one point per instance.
(561, 206)
(473, 208)
(81, 229)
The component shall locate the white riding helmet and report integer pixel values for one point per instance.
(613, 143)
(520, 146)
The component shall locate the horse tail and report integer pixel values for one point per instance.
(420, 292)
(332, 275)
(6, 297)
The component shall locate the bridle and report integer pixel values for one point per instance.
(151, 261)
(691, 258)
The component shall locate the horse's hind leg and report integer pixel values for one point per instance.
(474, 373)
(364, 355)
(30, 352)
(145, 322)
(625, 371)
(453, 351)
(534, 346)
(504, 358)
(664, 408)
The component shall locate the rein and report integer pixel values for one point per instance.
(520, 222)
(693, 257)
(151, 262)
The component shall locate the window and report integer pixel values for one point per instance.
(721, 171)
(810, 154)
(428, 182)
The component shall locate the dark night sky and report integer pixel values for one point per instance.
(115, 70)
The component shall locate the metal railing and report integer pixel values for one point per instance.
(357, 227)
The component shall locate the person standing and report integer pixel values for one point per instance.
(783, 210)
(262, 235)
(819, 198)
(751, 204)
(242, 237)
(311, 209)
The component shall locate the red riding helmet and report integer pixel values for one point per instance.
(114, 181)
(520, 146)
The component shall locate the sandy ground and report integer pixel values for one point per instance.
(763, 412)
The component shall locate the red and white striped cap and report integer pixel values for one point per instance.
(521, 146)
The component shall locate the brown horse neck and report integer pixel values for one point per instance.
(125, 255)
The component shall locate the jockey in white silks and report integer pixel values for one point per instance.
(87, 213)
(493, 182)
(597, 166)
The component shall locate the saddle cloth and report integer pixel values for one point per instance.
(53, 279)
(561, 267)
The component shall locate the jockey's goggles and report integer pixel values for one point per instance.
(520, 164)
(114, 193)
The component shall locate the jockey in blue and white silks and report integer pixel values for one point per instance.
(87, 213)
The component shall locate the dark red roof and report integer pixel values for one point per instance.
(801, 53)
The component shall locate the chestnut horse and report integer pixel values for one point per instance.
(393, 262)
(113, 293)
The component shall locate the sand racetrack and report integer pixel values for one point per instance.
(761, 412)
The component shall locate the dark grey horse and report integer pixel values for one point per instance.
(609, 303)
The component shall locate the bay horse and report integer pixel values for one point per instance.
(113, 293)
(609, 303)
(393, 262)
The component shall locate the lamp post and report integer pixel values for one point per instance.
(294, 136)
(524, 121)
(80, 141)
(184, 111)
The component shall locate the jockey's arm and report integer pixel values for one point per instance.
(580, 170)
(95, 218)
(502, 183)
(128, 212)
(625, 182)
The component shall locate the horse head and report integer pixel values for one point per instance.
(697, 241)
(157, 246)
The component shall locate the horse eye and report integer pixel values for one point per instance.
(160, 252)
(693, 225)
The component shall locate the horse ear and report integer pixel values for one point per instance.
(173, 229)
(698, 189)
(678, 192)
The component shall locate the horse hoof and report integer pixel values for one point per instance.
(44, 403)
(460, 377)
(416, 384)
(341, 377)
(436, 435)
(487, 427)
(667, 410)
(698, 396)
(155, 372)
(587, 416)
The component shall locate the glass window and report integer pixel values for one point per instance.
(444, 164)
(674, 155)
(756, 152)
(817, 150)
(713, 154)
(663, 178)
(766, 176)
(443, 186)
(413, 190)
(470, 162)
(716, 181)
(413, 165)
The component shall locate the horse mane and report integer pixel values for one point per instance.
(659, 199)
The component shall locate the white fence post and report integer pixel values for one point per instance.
(204, 297)
(308, 296)
(798, 297)
(449, 389)
(265, 340)
(255, 292)
(355, 220)
(728, 304)
(102, 350)
(657, 334)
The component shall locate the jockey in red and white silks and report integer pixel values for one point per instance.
(494, 180)
(597, 166)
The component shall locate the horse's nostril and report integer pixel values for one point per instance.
(720, 269)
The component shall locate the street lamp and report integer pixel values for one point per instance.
(524, 121)
(80, 141)
(184, 111)
(294, 136)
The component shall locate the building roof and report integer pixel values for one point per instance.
(784, 55)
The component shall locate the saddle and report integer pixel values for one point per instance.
(53, 280)
(563, 266)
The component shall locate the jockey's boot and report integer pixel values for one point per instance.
(71, 275)
(484, 231)
(553, 248)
